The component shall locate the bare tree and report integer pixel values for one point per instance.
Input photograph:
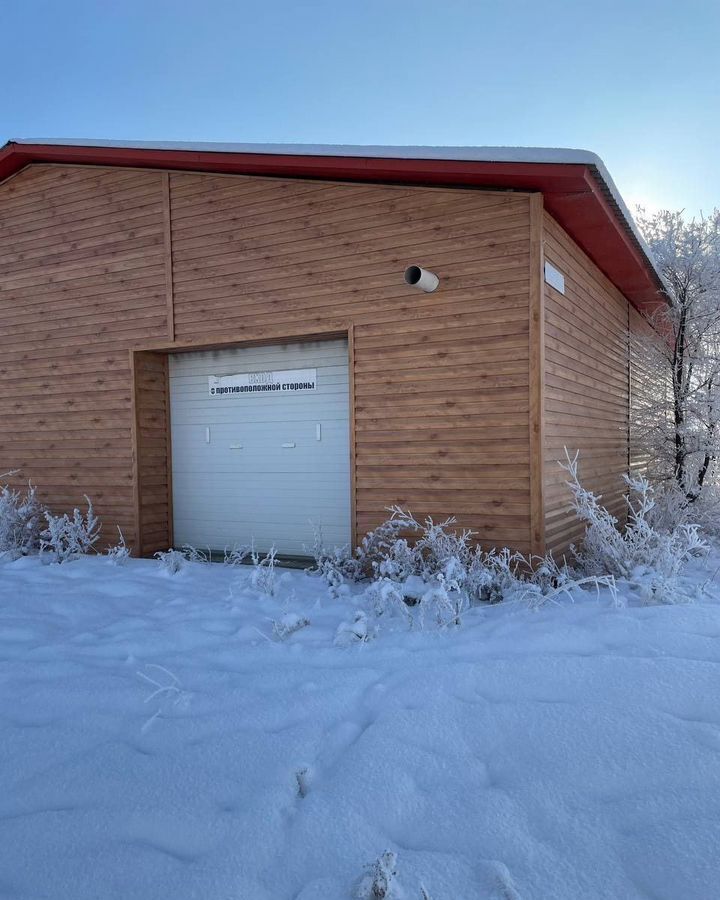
(682, 416)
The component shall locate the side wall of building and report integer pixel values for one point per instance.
(97, 262)
(650, 393)
(587, 385)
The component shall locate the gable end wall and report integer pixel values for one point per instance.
(99, 262)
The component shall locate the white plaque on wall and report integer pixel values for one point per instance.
(257, 384)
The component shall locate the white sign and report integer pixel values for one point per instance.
(554, 277)
(291, 381)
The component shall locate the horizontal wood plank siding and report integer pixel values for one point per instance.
(646, 387)
(97, 262)
(586, 385)
(440, 380)
(82, 279)
(152, 447)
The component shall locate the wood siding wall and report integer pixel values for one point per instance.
(586, 385)
(440, 380)
(646, 388)
(151, 421)
(82, 278)
(97, 262)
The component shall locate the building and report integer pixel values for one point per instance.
(218, 342)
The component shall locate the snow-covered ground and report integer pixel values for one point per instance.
(157, 740)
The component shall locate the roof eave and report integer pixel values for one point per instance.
(578, 191)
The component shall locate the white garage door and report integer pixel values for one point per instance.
(260, 446)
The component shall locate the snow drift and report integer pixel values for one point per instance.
(188, 735)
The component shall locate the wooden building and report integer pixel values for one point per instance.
(217, 342)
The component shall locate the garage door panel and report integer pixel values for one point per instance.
(249, 519)
(243, 452)
(198, 414)
(260, 488)
(261, 466)
(211, 503)
(196, 381)
(277, 356)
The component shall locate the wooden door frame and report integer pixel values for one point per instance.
(246, 338)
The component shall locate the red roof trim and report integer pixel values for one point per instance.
(572, 193)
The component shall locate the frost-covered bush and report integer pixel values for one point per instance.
(705, 511)
(437, 550)
(339, 565)
(22, 517)
(432, 553)
(359, 631)
(172, 561)
(263, 577)
(118, 554)
(549, 582)
(649, 551)
(335, 565)
(382, 552)
(673, 508)
(67, 537)
(237, 555)
(443, 602)
(379, 544)
(437, 573)
(192, 554)
(288, 624)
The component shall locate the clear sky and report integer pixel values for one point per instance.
(636, 81)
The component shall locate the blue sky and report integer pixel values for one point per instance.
(635, 81)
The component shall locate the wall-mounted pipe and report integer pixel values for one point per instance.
(421, 278)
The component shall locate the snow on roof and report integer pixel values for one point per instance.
(380, 151)
(541, 155)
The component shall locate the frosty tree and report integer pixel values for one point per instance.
(680, 419)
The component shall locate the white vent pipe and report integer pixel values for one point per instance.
(422, 278)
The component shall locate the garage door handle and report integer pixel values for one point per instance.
(291, 444)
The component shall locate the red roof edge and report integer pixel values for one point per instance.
(574, 193)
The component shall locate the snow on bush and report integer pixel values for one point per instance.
(430, 573)
(192, 554)
(649, 551)
(237, 555)
(335, 565)
(118, 554)
(359, 631)
(673, 508)
(67, 538)
(263, 577)
(21, 521)
(172, 561)
(288, 624)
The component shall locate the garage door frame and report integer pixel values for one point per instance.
(150, 400)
